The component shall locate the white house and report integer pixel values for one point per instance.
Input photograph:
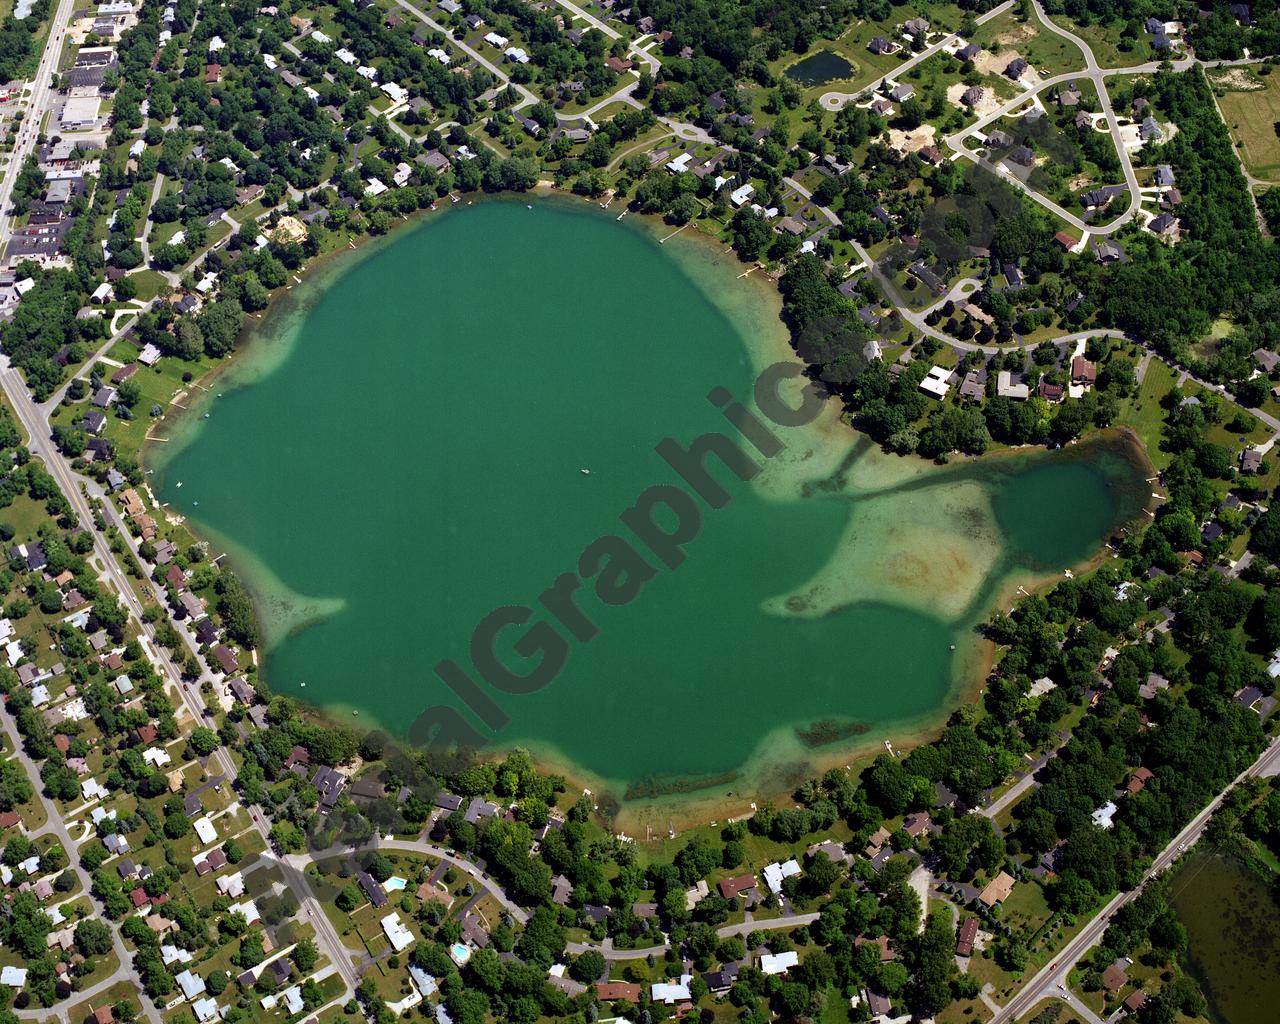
(205, 830)
(775, 873)
(495, 40)
(778, 963)
(937, 382)
(192, 985)
(158, 757)
(346, 56)
(671, 992)
(680, 164)
(397, 934)
(1103, 815)
(742, 193)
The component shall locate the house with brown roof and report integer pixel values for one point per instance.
(966, 937)
(731, 888)
(1138, 781)
(1135, 1001)
(1083, 371)
(1114, 979)
(997, 890)
(610, 990)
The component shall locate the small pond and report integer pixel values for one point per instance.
(819, 69)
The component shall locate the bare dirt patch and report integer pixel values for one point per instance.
(912, 141)
(988, 104)
(1237, 80)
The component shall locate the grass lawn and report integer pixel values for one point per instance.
(1144, 413)
(1251, 108)
(150, 284)
(119, 992)
(1109, 46)
(1049, 53)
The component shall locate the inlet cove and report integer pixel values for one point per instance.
(442, 427)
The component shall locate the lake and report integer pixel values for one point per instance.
(819, 69)
(1232, 919)
(401, 451)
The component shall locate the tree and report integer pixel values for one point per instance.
(588, 968)
(305, 955)
(92, 937)
(15, 788)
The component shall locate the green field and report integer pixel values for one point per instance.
(1252, 114)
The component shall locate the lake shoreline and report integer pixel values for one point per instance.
(972, 663)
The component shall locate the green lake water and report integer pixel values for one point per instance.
(819, 69)
(1232, 919)
(400, 452)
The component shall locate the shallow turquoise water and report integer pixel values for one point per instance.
(416, 458)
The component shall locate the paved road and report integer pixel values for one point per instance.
(526, 97)
(40, 102)
(743, 929)
(1052, 980)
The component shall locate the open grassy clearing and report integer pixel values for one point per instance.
(1250, 105)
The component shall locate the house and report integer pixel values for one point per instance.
(670, 993)
(610, 990)
(779, 963)
(917, 28)
(937, 382)
(972, 388)
(1107, 252)
(972, 96)
(775, 873)
(1065, 240)
(618, 64)
(1150, 130)
(330, 783)
(1016, 68)
(397, 934)
(205, 831)
(373, 889)
(1114, 979)
(880, 46)
(1006, 388)
(1083, 371)
(931, 155)
(1250, 460)
(966, 936)
(1138, 781)
(901, 93)
(1100, 197)
(1135, 1001)
(1163, 224)
(968, 52)
(1069, 97)
(719, 982)
(733, 887)
(192, 985)
(999, 139)
(1164, 176)
(225, 659)
(1022, 156)
(997, 890)
(1102, 817)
